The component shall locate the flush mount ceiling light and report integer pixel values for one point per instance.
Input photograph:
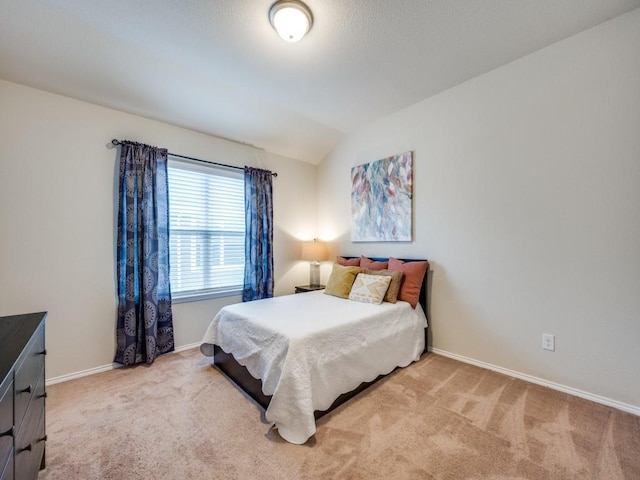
(292, 19)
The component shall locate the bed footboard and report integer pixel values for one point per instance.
(227, 364)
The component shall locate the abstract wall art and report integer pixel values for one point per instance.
(381, 200)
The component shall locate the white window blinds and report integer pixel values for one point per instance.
(207, 228)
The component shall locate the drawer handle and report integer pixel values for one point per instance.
(25, 449)
(43, 352)
(25, 390)
(43, 439)
(8, 433)
(44, 395)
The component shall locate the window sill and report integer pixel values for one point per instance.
(196, 297)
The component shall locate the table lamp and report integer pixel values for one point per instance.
(314, 251)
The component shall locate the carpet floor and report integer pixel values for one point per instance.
(436, 419)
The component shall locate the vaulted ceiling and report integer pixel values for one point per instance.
(218, 67)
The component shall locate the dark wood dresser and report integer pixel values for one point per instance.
(22, 396)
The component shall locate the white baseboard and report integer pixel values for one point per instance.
(187, 347)
(104, 368)
(81, 373)
(539, 381)
(625, 407)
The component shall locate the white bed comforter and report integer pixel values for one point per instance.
(310, 348)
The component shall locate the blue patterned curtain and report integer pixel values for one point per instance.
(258, 243)
(145, 322)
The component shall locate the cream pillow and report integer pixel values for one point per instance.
(369, 288)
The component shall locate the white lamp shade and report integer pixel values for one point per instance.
(291, 19)
(314, 251)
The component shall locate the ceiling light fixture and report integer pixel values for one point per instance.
(292, 19)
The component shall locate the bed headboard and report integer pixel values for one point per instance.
(423, 299)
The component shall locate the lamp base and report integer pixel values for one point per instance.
(314, 274)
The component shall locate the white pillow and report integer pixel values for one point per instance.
(369, 288)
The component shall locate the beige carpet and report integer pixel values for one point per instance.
(437, 419)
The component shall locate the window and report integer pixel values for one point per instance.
(207, 228)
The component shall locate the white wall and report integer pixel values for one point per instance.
(57, 215)
(527, 201)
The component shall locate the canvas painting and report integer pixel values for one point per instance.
(381, 200)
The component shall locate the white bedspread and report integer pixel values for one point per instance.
(310, 348)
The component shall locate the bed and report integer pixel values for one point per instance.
(300, 356)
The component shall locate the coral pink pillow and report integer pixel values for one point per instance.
(414, 273)
(350, 262)
(373, 265)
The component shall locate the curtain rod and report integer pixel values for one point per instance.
(115, 142)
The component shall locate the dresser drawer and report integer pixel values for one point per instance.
(6, 421)
(28, 373)
(30, 442)
(25, 432)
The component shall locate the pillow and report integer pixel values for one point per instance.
(372, 264)
(340, 280)
(394, 286)
(369, 288)
(414, 273)
(348, 262)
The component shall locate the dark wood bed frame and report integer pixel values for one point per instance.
(228, 365)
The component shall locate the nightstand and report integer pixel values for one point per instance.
(308, 288)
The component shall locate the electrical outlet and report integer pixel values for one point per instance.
(548, 342)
